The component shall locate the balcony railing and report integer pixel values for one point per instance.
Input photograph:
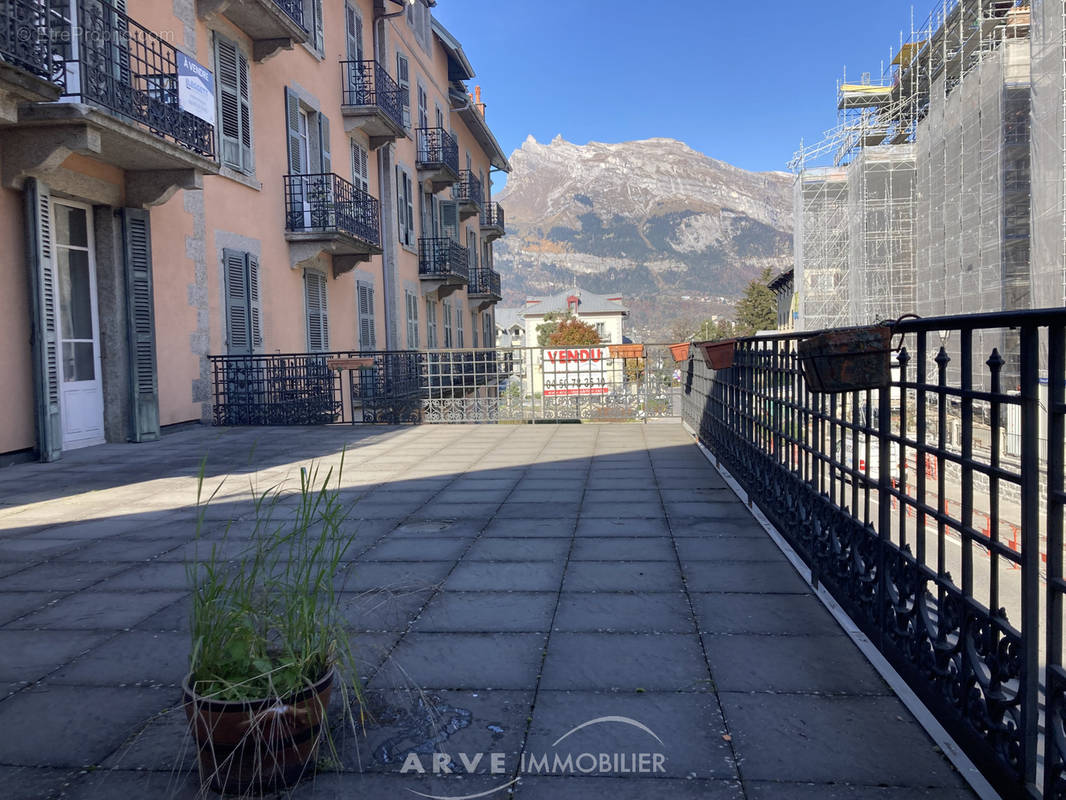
(467, 189)
(25, 36)
(437, 149)
(492, 216)
(930, 506)
(484, 282)
(326, 203)
(294, 10)
(366, 83)
(443, 258)
(106, 59)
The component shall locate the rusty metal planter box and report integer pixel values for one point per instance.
(847, 360)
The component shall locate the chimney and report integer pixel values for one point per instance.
(572, 303)
(477, 102)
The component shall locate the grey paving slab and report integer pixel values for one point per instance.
(382, 610)
(623, 509)
(535, 527)
(592, 526)
(777, 790)
(410, 549)
(487, 576)
(616, 788)
(97, 610)
(488, 612)
(725, 548)
(60, 575)
(760, 613)
(134, 658)
(685, 729)
(699, 527)
(463, 661)
(626, 662)
(782, 737)
(121, 549)
(622, 576)
(617, 612)
(823, 663)
(396, 576)
(73, 725)
(765, 577)
(619, 548)
(35, 548)
(30, 655)
(35, 783)
(16, 604)
(519, 549)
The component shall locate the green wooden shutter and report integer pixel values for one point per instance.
(367, 336)
(238, 328)
(292, 124)
(140, 326)
(229, 101)
(255, 309)
(45, 340)
(325, 161)
(317, 315)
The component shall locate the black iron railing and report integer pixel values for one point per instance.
(492, 216)
(294, 10)
(25, 36)
(484, 281)
(437, 149)
(926, 508)
(312, 388)
(366, 83)
(326, 203)
(104, 58)
(467, 190)
(443, 258)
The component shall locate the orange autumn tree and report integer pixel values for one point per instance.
(572, 332)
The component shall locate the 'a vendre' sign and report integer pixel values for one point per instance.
(576, 371)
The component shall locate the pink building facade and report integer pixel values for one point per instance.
(221, 177)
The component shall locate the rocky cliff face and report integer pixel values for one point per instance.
(653, 220)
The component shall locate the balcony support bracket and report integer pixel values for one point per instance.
(317, 255)
(262, 49)
(154, 187)
(35, 151)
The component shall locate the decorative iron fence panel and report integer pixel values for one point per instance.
(26, 36)
(904, 503)
(326, 203)
(367, 83)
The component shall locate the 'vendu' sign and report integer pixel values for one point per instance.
(575, 371)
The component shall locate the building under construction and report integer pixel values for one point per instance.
(930, 210)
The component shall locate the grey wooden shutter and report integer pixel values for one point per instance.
(292, 123)
(354, 32)
(324, 160)
(245, 86)
(255, 310)
(238, 327)
(410, 197)
(367, 336)
(319, 37)
(45, 339)
(229, 101)
(360, 167)
(317, 314)
(403, 79)
(140, 326)
(401, 207)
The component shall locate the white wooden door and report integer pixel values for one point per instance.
(81, 390)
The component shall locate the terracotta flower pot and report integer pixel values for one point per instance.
(626, 350)
(257, 746)
(680, 351)
(718, 355)
(847, 360)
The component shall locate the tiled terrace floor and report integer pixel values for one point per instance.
(526, 579)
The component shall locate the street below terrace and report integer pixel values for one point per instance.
(508, 584)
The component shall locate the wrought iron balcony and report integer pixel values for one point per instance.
(468, 193)
(485, 285)
(443, 259)
(492, 222)
(324, 208)
(438, 157)
(25, 36)
(373, 101)
(105, 59)
(272, 25)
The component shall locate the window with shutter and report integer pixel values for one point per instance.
(360, 167)
(412, 320)
(234, 105)
(238, 312)
(367, 327)
(405, 207)
(403, 80)
(471, 246)
(487, 326)
(140, 323)
(317, 315)
(431, 324)
(449, 219)
(459, 339)
(446, 317)
(410, 198)
(325, 162)
(354, 30)
(473, 330)
(423, 113)
(45, 321)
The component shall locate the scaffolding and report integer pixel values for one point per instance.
(936, 155)
(1049, 154)
(821, 244)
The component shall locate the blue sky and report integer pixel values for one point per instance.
(740, 81)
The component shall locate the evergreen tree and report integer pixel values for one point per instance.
(757, 309)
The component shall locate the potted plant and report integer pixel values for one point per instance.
(847, 360)
(626, 350)
(680, 351)
(719, 354)
(269, 647)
